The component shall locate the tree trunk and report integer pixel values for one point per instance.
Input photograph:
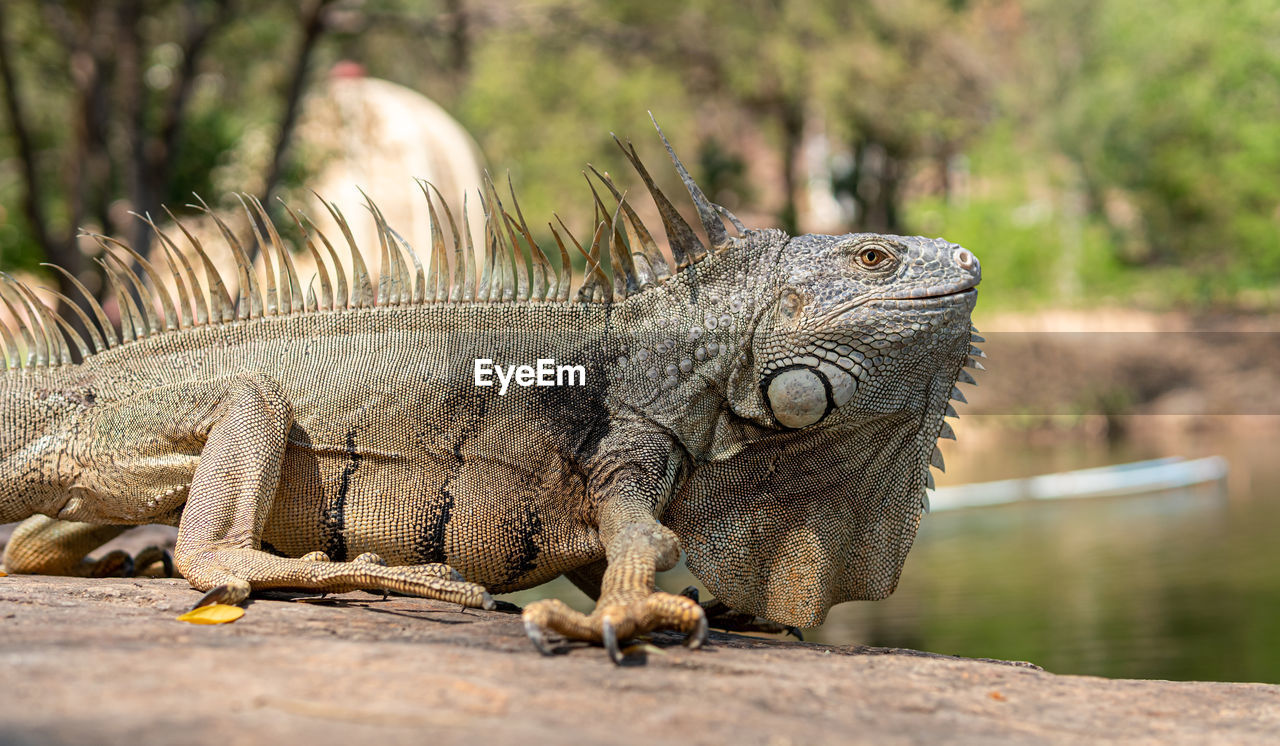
(791, 118)
(313, 26)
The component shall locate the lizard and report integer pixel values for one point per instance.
(768, 405)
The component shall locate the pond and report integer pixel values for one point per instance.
(1181, 584)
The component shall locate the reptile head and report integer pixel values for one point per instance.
(860, 324)
(812, 432)
(813, 490)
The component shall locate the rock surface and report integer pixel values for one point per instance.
(104, 661)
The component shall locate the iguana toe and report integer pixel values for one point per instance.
(120, 564)
(721, 616)
(113, 564)
(154, 562)
(537, 637)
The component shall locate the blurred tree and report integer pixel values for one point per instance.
(900, 87)
(1169, 112)
(909, 91)
(424, 44)
(1137, 131)
(156, 93)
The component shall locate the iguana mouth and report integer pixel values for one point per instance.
(942, 293)
(955, 291)
(925, 299)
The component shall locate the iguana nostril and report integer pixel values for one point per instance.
(965, 259)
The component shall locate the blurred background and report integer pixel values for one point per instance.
(1115, 164)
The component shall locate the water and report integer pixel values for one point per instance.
(1176, 585)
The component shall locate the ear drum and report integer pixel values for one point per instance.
(798, 396)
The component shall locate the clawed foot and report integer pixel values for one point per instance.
(316, 572)
(150, 562)
(615, 620)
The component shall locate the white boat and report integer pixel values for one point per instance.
(1156, 475)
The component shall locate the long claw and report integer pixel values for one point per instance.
(691, 592)
(215, 595)
(796, 633)
(536, 636)
(609, 636)
(698, 637)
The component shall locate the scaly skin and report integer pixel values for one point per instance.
(771, 408)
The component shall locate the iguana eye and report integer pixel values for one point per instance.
(871, 257)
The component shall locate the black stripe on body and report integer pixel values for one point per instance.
(334, 520)
(522, 534)
(468, 410)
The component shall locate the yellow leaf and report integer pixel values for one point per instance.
(212, 614)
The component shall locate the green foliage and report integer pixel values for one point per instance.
(212, 135)
(1036, 247)
(548, 117)
(1116, 151)
(18, 248)
(1170, 108)
(725, 178)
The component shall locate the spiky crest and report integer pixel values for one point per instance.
(39, 337)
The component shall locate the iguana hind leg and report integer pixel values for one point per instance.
(230, 497)
(42, 545)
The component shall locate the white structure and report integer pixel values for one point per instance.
(379, 136)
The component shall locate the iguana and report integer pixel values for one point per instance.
(770, 405)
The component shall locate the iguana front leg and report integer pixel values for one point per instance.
(630, 603)
(635, 483)
(229, 499)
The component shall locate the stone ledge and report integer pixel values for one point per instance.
(103, 661)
